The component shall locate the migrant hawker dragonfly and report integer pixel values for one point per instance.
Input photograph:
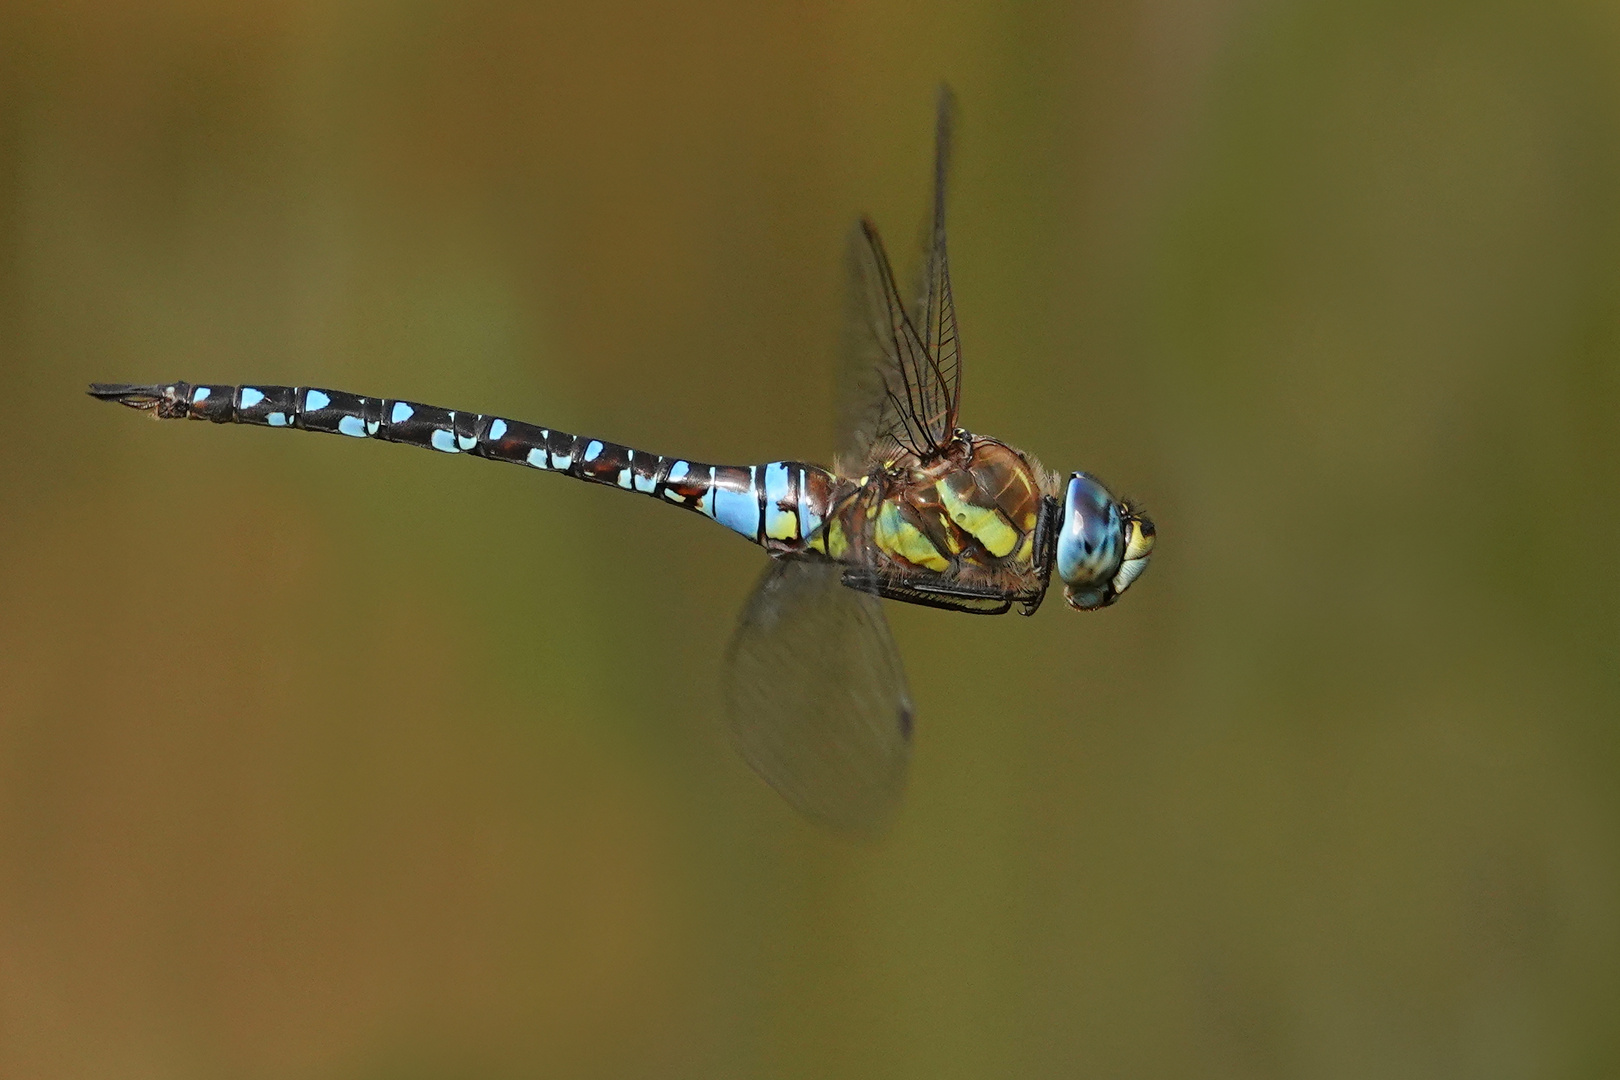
(915, 508)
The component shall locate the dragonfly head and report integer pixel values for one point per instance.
(1103, 544)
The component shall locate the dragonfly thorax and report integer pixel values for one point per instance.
(966, 520)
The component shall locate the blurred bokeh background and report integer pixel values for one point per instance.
(333, 760)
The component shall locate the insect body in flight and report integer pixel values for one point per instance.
(916, 509)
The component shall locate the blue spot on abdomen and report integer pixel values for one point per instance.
(738, 510)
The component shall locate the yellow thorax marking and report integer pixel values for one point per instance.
(899, 537)
(985, 523)
(1026, 550)
(837, 542)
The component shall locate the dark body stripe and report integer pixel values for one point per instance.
(779, 505)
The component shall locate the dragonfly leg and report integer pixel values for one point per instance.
(947, 595)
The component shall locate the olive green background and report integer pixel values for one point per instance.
(323, 759)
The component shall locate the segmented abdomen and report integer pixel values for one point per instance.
(777, 505)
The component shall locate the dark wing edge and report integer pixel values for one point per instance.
(816, 697)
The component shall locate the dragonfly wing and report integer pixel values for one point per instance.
(879, 409)
(816, 696)
(901, 383)
(936, 311)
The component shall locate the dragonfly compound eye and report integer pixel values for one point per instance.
(1091, 544)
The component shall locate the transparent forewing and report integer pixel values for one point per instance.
(816, 696)
(865, 411)
(936, 311)
(902, 380)
(880, 409)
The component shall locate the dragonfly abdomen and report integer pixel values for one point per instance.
(777, 505)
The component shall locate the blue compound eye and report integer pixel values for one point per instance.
(1091, 542)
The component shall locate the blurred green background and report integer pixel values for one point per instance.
(333, 760)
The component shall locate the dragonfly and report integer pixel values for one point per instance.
(914, 508)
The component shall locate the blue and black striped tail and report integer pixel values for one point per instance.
(778, 505)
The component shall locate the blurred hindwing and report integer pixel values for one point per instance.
(816, 696)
